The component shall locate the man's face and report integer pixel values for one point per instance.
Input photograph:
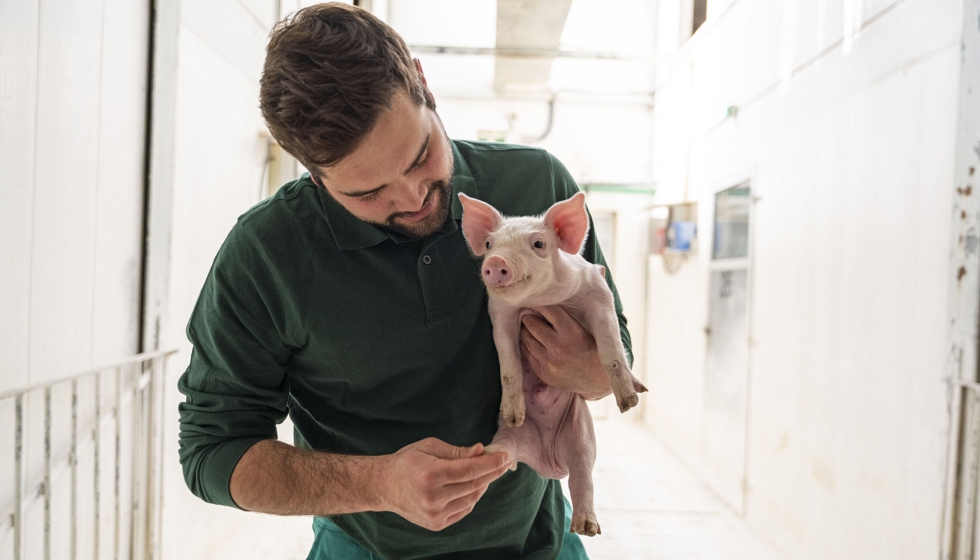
(399, 177)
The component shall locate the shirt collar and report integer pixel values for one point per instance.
(463, 182)
(351, 233)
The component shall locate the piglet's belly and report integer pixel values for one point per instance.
(556, 433)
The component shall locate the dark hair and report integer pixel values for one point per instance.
(330, 70)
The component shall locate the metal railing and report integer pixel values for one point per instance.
(960, 521)
(100, 431)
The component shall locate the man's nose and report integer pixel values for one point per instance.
(411, 197)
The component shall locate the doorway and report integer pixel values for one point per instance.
(727, 356)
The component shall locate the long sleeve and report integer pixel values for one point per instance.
(236, 386)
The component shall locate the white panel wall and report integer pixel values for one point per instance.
(218, 170)
(73, 77)
(119, 206)
(65, 188)
(845, 126)
(73, 130)
(18, 106)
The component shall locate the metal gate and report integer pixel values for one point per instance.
(97, 493)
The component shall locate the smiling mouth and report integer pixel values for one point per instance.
(508, 287)
(423, 212)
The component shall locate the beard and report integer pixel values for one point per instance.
(441, 189)
(432, 223)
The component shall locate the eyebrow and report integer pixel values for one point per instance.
(418, 157)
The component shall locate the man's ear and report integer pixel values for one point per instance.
(315, 177)
(570, 222)
(418, 67)
(430, 101)
(479, 219)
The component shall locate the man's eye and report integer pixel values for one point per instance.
(422, 162)
(371, 196)
(539, 244)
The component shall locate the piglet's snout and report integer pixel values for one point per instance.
(497, 272)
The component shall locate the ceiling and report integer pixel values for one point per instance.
(527, 25)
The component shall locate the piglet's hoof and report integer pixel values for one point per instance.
(586, 527)
(513, 418)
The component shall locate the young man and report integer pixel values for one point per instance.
(350, 302)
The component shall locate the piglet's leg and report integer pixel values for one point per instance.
(575, 447)
(510, 440)
(506, 329)
(612, 354)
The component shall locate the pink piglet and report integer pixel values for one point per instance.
(533, 262)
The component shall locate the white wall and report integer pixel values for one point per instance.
(845, 127)
(73, 77)
(71, 158)
(218, 170)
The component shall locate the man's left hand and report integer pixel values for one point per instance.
(562, 353)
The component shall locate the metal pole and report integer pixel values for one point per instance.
(73, 463)
(157, 367)
(139, 474)
(134, 468)
(19, 476)
(149, 469)
(96, 436)
(47, 473)
(116, 483)
(967, 504)
(137, 359)
(152, 504)
(527, 52)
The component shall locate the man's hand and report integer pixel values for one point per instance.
(430, 483)
(562, 353)
(434, 484)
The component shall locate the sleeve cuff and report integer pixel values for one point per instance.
(214, 471)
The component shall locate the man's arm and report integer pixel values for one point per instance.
(430, 483)
(237, 390)
(562, 353)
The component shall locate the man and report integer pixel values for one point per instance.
(350, 302)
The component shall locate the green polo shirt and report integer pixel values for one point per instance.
(369, 341)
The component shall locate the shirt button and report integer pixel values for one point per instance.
(427, 259)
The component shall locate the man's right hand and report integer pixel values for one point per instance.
(430, 483)
(434, 484)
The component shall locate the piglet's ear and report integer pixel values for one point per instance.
(569, 220)
(479, 219)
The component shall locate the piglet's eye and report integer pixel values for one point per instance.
(539, 244)
(487, 244)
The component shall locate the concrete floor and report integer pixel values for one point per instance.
(649, 506)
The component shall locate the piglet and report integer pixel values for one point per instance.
(533, 262)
